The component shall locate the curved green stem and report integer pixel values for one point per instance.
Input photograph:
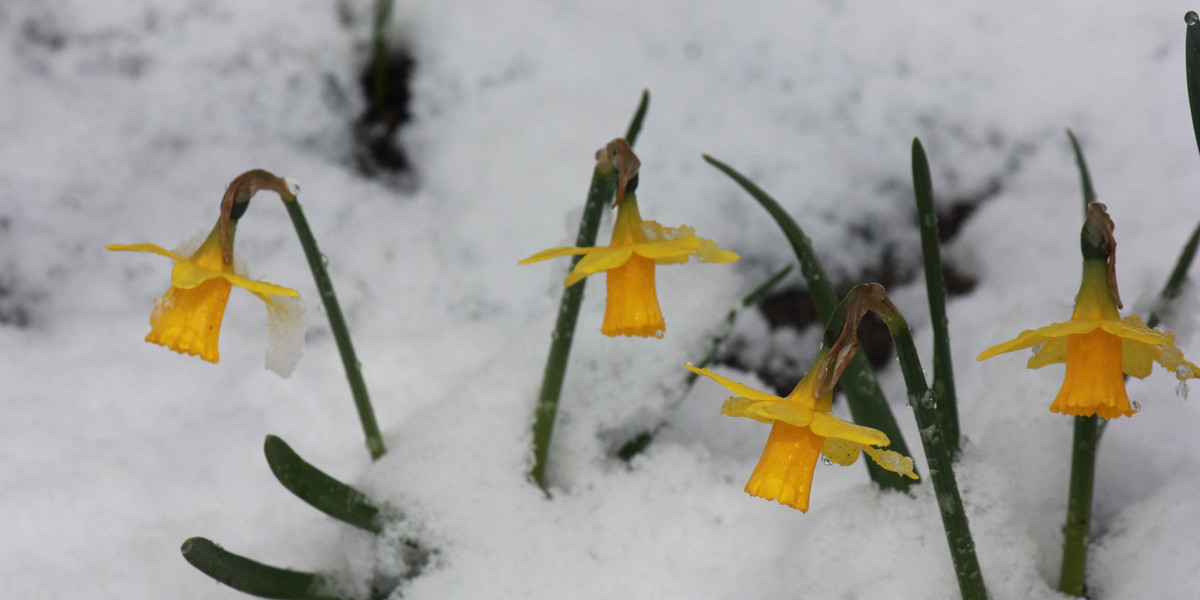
(337, 323)
(871, 296)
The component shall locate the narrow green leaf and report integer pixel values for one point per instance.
(935, 287)
(323, 492)
(810, 265)
(1171, 290)
(641, 441)
(1085, 178)
(639, 115)
(1191, 51)
(249, 576)
(868, 406)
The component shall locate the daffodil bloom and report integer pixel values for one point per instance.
(637, 247)
(803, 428)
(1098, 347)
(187, 319)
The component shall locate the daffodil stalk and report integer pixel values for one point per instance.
(844, 325)
(935, 287)
(237, 196)
(866, 401)
(600, 193)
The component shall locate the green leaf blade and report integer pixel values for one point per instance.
(323, 492)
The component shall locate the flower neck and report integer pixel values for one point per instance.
(1095, 299)
(209, 255)
(628, 228)
(805, 392)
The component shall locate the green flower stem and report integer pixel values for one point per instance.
(337, 323)
(601, 191)
(604, 185)
(937, 454)
(1079, 506)
(1088, 430)
(868, 406)
(935, 286)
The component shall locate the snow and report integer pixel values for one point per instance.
(122, 122)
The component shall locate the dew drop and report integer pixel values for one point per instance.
(1191, 18)
(324, 260)
(825, 461)
(292, 185)
(1137, 406)
(1181, 391)
(1183, 372)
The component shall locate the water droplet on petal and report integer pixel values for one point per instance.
(1191, 18)
(1137, 406)
(1181, 391)
(1183, 372)
(825, 461)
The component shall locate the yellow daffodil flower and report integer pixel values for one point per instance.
(1098, 347)
(637, 246)
(803, 428)
(187, 319)
(1097, 344)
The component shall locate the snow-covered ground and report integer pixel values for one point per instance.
(121, 122)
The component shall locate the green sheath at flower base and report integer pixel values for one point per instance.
(868, 406)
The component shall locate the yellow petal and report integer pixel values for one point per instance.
(151, 248)
(841, 451)
(1131, 328)
(768, 411)
(892, 461)
(670, 250)
(831, 426)
(555, 253)
(709, 252)
(187, 275)
(740, 389)
(1137, 358)
(1053, 351)
(599, 259)
(1032, 337)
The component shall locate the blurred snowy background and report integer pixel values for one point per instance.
(122, 121)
